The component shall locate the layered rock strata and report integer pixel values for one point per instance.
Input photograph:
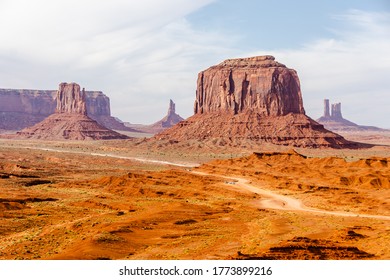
(257, 83)
(70, 100)
(256, 99)
(70, 121)
(24, 108)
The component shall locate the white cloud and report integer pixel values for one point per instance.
(58, 30)
(140, 53)
(352, 68)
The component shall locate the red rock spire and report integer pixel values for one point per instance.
(70, 99)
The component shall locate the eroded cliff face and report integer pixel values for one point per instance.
(247, 102)
(257, 83)
(21, 108)
(70, 99)
(27, 101)
(98, 104)
(70, 121)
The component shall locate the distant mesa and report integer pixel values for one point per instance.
(332, 119)
(168, 121)
(254, 99)
(21, 108)
(70, 120)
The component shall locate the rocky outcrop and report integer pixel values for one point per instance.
(249, 101)
(326, 108)
(335, 121)
(24, 108)
(98, 104)
(168, 121)
(70, 100)
(336, 111)
(70, 121)
(257, 83)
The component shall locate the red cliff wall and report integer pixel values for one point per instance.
(257, 83)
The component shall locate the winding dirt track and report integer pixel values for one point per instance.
(272, 200)
(113, 156)
(282, 202)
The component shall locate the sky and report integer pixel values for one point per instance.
(143, 53)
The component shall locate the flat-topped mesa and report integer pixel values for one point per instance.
(70, 99)
(251, 62)
(246, 102)
(258, 84)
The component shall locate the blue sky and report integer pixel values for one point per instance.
(143, 53)
(277, 24)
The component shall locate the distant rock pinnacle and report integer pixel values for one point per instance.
(334, 120)
(171, 109)
(171, 118)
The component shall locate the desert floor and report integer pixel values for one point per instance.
(126, 200)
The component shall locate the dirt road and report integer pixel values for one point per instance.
(112, 156)
(273, 200)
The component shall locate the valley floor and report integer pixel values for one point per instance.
(118, 200)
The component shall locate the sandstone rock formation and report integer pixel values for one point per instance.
(257, 83)
(70, 120)
(171, 118)
(255, 99)
(326, 108)
(335, 121)
(168, 121)
(24, 108)
(70, 100)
